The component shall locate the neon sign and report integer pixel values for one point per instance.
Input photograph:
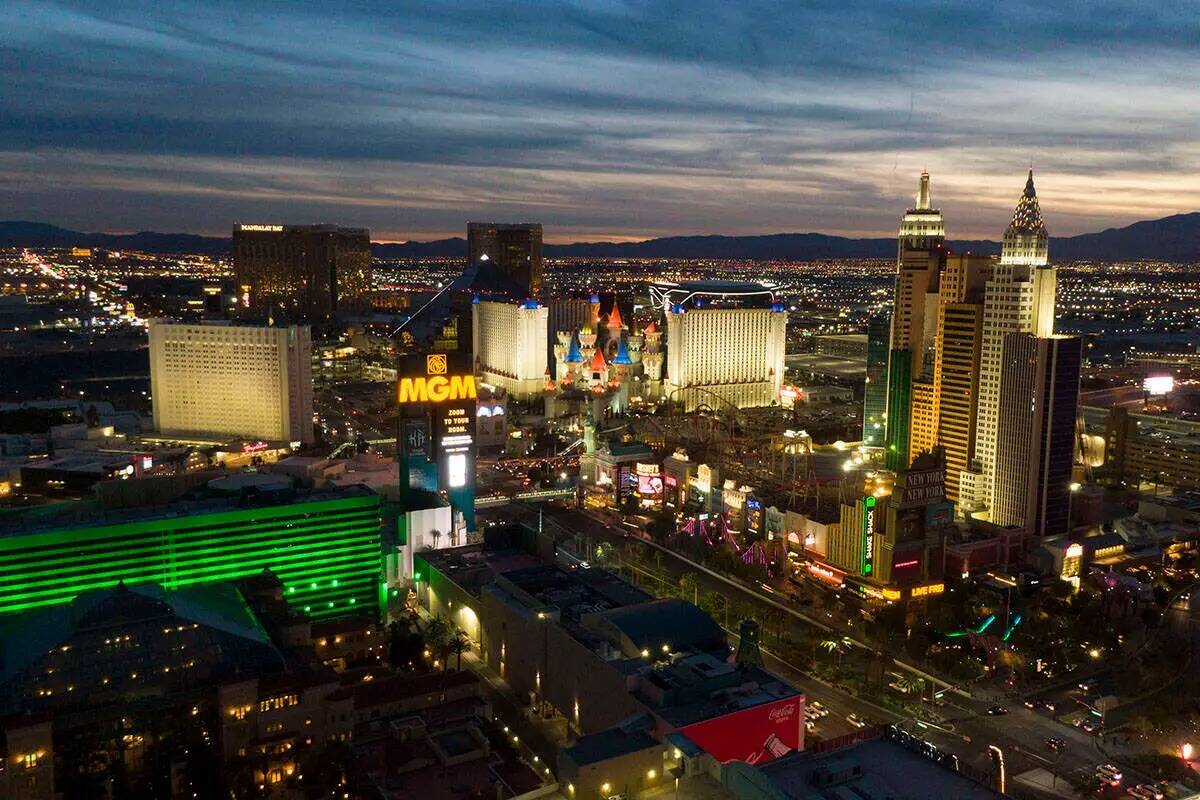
(436, 389)
(868, 540)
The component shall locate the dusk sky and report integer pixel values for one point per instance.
(602, 120)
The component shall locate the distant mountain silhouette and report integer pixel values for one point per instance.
(1174, 238)
(39, 234)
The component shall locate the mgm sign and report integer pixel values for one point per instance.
(436, 385)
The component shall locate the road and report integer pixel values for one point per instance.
(967, 730)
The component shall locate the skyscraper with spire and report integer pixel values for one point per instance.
(1018, 298)
(919, 259)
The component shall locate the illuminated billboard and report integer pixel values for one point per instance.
(754, 735)
(1158, 384)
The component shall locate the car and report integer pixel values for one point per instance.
(855, 720)
(997, 711)
(1030, 704)
(1087, 726)
(1087, 686)
(1149, 790)
(1047, 706)
(1109, 773)
(1054, 743)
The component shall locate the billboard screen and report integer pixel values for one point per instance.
(754, 735)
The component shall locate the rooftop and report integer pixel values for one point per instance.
(876, 769)
(608, 744)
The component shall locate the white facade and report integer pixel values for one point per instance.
(246, 381)
(1019, 297)
(511, 345)
(734, 353)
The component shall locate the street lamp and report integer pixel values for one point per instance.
(998, 759)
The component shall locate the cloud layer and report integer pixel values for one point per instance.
(600, 119)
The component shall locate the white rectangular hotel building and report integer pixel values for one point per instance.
(247, 381)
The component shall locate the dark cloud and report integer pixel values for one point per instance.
(596, 116)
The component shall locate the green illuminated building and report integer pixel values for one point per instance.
(323, 546)
(875, 394)
(899, 409)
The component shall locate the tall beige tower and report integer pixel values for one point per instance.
(1019, 298)
(910, 403)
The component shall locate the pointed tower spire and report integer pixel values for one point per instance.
(614, 319)
(923, 192)
(1025, 240)
(1028, 215)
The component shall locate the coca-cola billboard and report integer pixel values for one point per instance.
(754, 735)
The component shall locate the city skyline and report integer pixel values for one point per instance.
(592, 120)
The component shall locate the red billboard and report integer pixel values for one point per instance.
(754, 735)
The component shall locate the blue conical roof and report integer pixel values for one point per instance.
(573, 355)
(622, 356)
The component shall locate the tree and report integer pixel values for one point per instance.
(437, 632)
(458, 644)
(689, 588)
(830, 646)
(909, 683)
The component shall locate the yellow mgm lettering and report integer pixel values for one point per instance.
(437, 389)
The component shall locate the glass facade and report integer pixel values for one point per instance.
(875, 394)
(899, 407)
(326, 552)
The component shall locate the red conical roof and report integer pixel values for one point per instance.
(614, 319)
(598, 362)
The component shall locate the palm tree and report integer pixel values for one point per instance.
(839, 646)
(458, 644)
(829, 645)
(909, 683)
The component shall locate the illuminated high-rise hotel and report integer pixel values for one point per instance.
(725, 343)
(956, 360)
(302, 272)
(1035, 443)
(1018, 298)
(510, 346)
(910, 403)
(248, 381)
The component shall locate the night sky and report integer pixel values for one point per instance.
(602, 120)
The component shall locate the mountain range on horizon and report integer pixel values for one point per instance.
(1174, 238)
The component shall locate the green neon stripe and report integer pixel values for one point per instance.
(162, 573)
(370, 575)
(18, 547)
(338, 533)
(202, 522)
(311, 543)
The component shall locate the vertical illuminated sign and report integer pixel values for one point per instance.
(868, 537)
